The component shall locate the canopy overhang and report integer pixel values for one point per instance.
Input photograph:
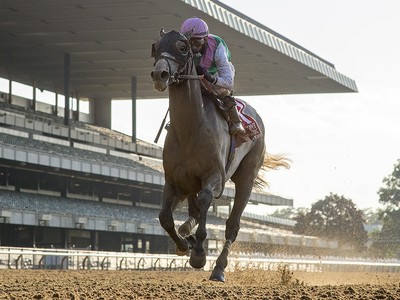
(109, 43)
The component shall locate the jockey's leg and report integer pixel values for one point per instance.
(236, 127)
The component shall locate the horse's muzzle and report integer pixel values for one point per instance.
(160, 79)
(161, 74)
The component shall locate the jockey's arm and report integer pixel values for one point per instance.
(226, 71)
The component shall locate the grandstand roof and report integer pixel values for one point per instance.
(109, 42)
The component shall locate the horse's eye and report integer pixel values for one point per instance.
(183, 48)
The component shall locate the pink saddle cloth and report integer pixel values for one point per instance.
(249, 123)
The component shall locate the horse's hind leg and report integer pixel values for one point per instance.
(186, 228)
(231, 232)
(244, 180)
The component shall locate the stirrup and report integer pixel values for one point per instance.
(229, 102)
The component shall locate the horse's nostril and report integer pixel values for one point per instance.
(164, 75)
(161, 75)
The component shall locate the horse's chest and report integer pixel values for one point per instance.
(187, 175)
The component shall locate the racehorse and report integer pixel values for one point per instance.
(196, 152)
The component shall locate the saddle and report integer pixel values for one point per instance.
(249, 123)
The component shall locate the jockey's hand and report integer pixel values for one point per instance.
(201, 71)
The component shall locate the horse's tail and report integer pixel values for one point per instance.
(271, 162)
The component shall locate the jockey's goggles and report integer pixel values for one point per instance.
(197, 42)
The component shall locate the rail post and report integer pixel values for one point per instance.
(17, 261)
(172, 262)
(140, 261)
(155, 264)
(63, 261)
(102, 263)
(120, 263)
(84, 262)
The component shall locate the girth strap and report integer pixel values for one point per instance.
(231, 153)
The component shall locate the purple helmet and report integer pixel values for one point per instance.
(199, 27)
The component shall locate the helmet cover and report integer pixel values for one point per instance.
(197, 25)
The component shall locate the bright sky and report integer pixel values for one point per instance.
(340, 143)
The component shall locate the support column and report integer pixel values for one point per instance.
(102, 112)
(33, 106)
(34, 237)
(92, 110)
(64, 238)
(77, 108)
(133, 95)
(67, 60)
(94, 240)
(9, 91)
(55, 111)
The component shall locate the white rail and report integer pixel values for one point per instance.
(35, 258)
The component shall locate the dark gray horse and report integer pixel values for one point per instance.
(196, 152)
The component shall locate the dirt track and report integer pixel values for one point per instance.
(34, 284)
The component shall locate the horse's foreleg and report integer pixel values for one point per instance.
(198, 254)
(170, 202)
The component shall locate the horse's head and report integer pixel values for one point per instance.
(172, 54)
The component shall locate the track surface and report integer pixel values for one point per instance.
(247, 284)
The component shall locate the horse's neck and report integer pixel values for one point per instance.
(186, 107)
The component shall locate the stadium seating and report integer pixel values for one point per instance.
(71, 151)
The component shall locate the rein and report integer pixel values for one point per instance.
(188, 77)
(178, 76)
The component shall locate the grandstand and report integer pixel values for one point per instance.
(64, 189)
(66, 179)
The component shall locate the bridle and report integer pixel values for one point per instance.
(184, 66)
(178, 75)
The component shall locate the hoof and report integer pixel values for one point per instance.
(184, 230)
(197, 260)
(182, 253)
(217, 275)
(189, 242)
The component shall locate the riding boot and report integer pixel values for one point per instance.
(236, 126)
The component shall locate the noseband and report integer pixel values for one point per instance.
(178, 75)
(185, 64)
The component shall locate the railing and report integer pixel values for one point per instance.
(72, 259)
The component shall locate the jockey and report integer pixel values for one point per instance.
(213, 60)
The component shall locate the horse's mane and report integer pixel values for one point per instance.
(271, 162)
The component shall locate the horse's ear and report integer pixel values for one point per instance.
(153, 50)
(188, 34)
(162, 32)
